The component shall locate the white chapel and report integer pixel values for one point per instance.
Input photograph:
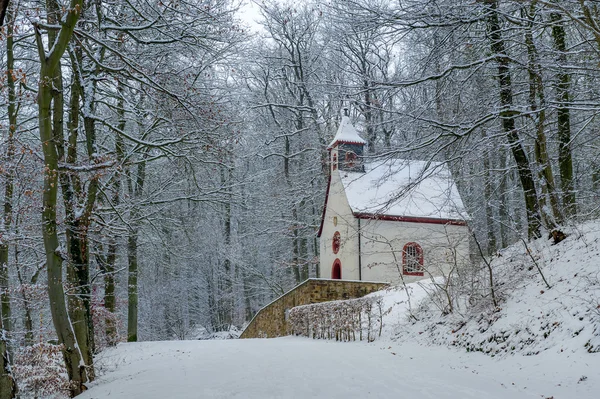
(388, 220)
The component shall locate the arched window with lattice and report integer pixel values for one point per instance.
(412, 259)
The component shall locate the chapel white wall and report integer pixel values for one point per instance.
(382, 242)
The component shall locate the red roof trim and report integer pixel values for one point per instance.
(410, 219)
(344, 142)
(325, 206)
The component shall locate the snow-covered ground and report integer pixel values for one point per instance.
(540, 343)
(294, 367)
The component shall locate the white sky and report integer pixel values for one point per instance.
(249, 13)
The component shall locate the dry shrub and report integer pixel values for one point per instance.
(349, 320)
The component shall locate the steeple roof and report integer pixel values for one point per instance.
(346, 133)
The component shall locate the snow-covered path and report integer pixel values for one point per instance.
(302, 368)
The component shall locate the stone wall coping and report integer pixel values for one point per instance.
(341, 281)
(305, 282)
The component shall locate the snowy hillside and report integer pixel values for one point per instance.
(530, 317)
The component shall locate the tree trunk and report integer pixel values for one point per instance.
(27, 318)
(8, 388)
(371, 133)
(54, 257)
(295, 246)
(503, 215)
(50, 65)
(212, 299)
(28, 311)
(247, 299)
(112, 335)
(136, 188)
(132, 286)
(590, 16)
(225, 282)
(489, 211)
(7, 385)
(78, 215)
(78, 277)
(508, 120)
(536, 92)
(565, 161)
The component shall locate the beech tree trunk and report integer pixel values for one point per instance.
(226, 281)
(27, 317)
(489, 211)
(8, 388)
(109, 268)
(507, 115)
(80, 299)
(49, 70)
(7, 385)
(136, 188)
(109, 291)
(78, 204)
(552, 215)
(132, 287)
(565, 161)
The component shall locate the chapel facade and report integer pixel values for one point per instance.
(388, 220)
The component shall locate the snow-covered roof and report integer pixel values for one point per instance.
(346, 133)
(397, 187)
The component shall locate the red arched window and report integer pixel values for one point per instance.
(336, 242)
(336, 270)
(412, 259)
(334, 161)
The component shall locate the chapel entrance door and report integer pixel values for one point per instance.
(336, 270)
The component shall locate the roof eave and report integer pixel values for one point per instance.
(325, 206)
(410, 219)
(335, 142)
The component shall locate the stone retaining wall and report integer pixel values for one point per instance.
(271, 320)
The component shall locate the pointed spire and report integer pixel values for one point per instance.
(346, 132)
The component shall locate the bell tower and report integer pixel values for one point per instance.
(346, 148)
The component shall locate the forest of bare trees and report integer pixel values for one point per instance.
(163, 166)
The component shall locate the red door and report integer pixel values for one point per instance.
(336, 270)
